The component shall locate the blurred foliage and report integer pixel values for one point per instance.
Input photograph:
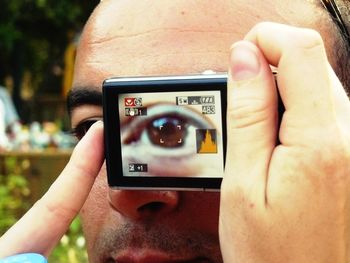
(14, 202)
(71, 247)
(34, 34)
(14, 193)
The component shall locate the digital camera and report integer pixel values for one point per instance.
(165, 132)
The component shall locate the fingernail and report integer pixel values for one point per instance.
(244, 61)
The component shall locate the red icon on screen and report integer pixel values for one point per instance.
(132, 102)
(129, 102)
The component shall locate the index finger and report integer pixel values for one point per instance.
(44, 224)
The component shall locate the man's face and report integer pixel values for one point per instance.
(138, 38)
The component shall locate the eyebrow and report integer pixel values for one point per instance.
(83, 96)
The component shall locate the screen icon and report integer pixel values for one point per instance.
(136, 111)
(138, 168)
(132, 102)
(206, 141)
(131, 167)
(194, 100)
(181, 100)
(207, 100)
(208, 109)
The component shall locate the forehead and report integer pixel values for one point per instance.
(133, 38)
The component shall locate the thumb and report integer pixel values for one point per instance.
(251, 123)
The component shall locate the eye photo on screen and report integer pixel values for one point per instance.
(169, 130)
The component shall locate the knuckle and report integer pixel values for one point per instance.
(80, 166)
(310, 38)
(55, 210)
(248, 112)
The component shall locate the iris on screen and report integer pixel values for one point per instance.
(168, 132)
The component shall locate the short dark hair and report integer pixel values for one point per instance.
(341, 49)
(342, 53)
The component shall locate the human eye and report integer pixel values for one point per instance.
(82, 127)
(166, 131)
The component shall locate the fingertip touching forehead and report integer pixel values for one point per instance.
(129, 38)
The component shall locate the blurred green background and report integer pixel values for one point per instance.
(35, 37)
(38, 40)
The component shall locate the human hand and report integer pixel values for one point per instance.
(287, 202)
(40, 229)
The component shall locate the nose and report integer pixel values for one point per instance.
(141, 205)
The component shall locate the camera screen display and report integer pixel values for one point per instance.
(171, 134)
(165, 132)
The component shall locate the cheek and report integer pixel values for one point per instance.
(95, 209)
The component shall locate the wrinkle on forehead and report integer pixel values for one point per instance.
(130, 37)
(165, 45)
(134, 17)
(141, 37)
(159, 28)
(137, 17)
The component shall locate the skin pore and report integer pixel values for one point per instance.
(139, 38)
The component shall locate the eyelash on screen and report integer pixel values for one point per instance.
(81, 129)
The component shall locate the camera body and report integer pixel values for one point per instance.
(166, 132)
